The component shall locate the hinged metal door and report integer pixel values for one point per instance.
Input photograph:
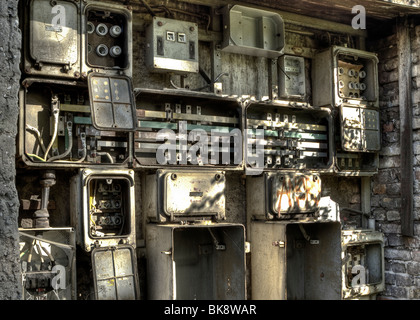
(115, 273)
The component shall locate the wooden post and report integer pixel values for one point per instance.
(406, 130)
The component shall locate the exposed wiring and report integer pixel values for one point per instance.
(107, 155)
(70, 146)
(38, 136)
(55, 110)
(149, 9)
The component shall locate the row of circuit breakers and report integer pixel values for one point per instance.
(78, 107)
(79, 110)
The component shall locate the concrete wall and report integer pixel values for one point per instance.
(10, 44)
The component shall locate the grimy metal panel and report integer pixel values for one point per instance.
(186, 195)
(115, 273)
(51, 34)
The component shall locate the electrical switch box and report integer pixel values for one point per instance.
(196, 262)
(48, 263)
(106, 38)
(295, 261)
(345, 75)
(292, 80)
(51, 33)
(281, 136)
(363, 269)
(252, 32)
(102, 207)
(177, 129)
(56, 128)
(275, 195)
(185, 195)
(172, 46)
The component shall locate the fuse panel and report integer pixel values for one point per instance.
(283, 137)
(187, 129)
(345, 75)
(56, 128)
(103, 207)
(106, 38)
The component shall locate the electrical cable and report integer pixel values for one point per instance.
(70, 136)
(55, 111)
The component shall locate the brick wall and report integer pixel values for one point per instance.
(402, 254)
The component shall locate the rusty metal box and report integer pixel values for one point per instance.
(283, 195)
(295, 261)
(185, 195)
(106, 38)
(195, 262)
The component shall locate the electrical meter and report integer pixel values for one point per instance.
(292, 81)
(172, 46)
(185, 195)
(282, 136)
(51, 30)
(191, 129)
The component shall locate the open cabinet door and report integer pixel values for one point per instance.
(115, 273)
